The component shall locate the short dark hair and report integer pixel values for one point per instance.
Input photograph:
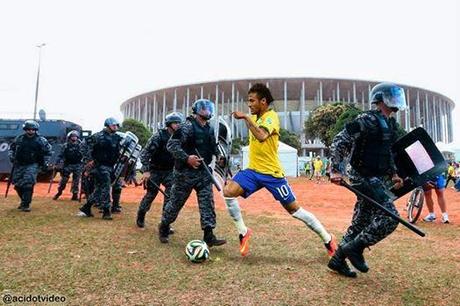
(262, 91)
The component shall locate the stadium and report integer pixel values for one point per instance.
(295, 98)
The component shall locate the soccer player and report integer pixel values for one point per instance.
(265, 170)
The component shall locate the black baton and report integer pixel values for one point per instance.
(380, 206)
(209, 172)
(154, 184)
(52, 179)
(10, 180)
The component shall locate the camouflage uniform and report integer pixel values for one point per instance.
(369, 224)
(28, 154)
(181, 145)
(103, 148)
(102, 186)
(87, 183)
(116, 196)
(87, 180)
(71, 159)
(160, 163)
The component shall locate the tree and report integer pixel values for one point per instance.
(322, 119)
(138, 128)
(347, 116)
(289, 138)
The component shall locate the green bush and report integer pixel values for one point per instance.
(138, 128)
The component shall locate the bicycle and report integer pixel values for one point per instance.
(414, 205)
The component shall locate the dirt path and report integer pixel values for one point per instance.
(332, 204)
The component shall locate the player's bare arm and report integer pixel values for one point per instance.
(259, 133)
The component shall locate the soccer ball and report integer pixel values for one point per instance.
(197, 251)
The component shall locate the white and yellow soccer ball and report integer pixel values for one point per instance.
(197, 251)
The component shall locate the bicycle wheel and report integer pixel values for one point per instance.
(415, 205)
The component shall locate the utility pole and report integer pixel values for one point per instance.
(38, 77)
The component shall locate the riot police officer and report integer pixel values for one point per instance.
(88, 181)
(370, 137)
(28, 153)
(189, 172)
(103, 150)
(70, 162)
(157, 165)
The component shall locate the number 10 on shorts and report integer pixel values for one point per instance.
(284, 191)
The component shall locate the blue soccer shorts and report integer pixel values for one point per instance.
(251, 181)
(438, 183)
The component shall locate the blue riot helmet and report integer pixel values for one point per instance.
(30, 125)
(111, 121)
(203, 108)
(73, 133)
(390, 94)
(175, 117)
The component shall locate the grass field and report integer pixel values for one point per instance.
(96, 262)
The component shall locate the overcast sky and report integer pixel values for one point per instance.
(100, 53)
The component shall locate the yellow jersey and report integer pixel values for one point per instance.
(318, 165)
(451, 171)
(263, 156)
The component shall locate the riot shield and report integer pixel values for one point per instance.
(221, 168)
(129, 151)
(417, 159)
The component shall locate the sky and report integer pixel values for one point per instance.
(100, 53)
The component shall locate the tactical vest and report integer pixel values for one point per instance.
(72, 154)
(372, 152)
(29, 150)
(162, 159)
(106, 149)
(203, 140)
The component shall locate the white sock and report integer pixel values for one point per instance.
(313, 223)
(445, 216)
(432, 215)
(235, 212)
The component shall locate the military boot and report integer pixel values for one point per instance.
(210, 239)
(57, 195)
(116, 209)
(163, 232)
(26, 199)
(338, 264)
(106, 214)
(19, 191)
(85, 210)
(171, 230)
(353, 250)
(140, 221)
(26, 208)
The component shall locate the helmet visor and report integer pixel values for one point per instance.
(206, 109)
(394, 97)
